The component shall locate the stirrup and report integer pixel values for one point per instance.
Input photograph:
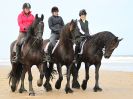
(74, 61)
(47, 58)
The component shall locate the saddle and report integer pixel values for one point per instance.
(57, 42)
(54, 47)
(49, 50)
(82, 46)
(21, 44)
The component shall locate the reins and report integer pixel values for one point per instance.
(31, 47)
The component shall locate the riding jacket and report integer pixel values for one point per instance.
(24, 21)
(55, 24)
(83, 27)
(82, 31)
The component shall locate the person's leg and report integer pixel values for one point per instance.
(18, 47)
(53, 39)
(77, 50)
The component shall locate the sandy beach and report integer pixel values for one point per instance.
(116, 85)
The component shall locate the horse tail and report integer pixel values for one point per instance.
(11, 49)
(17, 68)
(50, 71)
(15, 72)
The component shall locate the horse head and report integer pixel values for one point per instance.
(72, 26)
(38, 27)
(67, 32)
(111, 46)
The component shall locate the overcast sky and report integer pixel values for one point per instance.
(111, 15)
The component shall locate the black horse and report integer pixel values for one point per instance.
(31, 53)
(93, 51)
(63, 54)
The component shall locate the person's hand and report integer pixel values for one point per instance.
(26, 29)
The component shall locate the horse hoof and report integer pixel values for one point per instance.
(76, 85)
(84, 85)
(47, 87)
(32, 94)
(58, 84)
(39, 83)
(96, 89)
(13, 88)
(68, 90)
(22, 90)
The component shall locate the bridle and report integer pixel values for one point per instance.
(36, 38)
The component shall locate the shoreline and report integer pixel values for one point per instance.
(120, 67)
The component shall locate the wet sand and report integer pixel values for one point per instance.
(115, 85)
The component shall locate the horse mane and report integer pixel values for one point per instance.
(65, 31)
(30, 31)
(101, 38)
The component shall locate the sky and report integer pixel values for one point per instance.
(103, 15)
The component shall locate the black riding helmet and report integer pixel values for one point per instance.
(55, 9)
(26, 5)
(82, 12)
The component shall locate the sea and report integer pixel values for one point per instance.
(114, 63)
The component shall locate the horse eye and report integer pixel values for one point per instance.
(113, 48)
(113, 43)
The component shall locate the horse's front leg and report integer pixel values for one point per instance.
(84, 83)
(30, 78)
(97, 88)
(75, 83)
(22, 88)
(42, 69)
(78, 65)
(58, 82)
(48, 75)
(68, 89)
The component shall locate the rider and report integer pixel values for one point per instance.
(25, 19)
(55, 24)
(83, 30)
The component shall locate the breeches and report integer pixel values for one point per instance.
(53, 38)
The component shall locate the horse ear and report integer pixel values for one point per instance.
(120, 39)
(76, 21)
(42, 17)
(36, 17)
(116, 39)
(72, 21)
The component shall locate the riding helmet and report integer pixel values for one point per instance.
(55, 9)
(82, 12)
(26, 5)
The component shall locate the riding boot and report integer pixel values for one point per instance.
(17, 57)
(77, 50)
(48, 54)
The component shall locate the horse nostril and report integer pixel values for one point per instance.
(106, 56)
(13, 88)
(40, 38)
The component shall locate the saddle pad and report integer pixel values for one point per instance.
(82, 46)
(46, 48)
(55, 46)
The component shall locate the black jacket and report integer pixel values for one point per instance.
(55, 24)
